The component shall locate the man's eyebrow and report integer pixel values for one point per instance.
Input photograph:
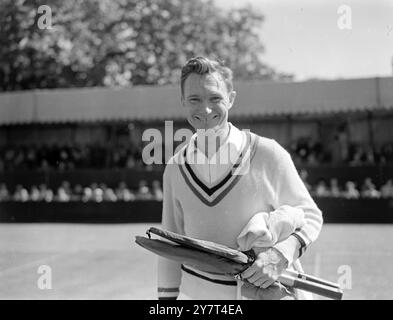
(219, 94)
(192, 96)
(215, 94)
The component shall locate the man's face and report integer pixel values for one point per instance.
(207, 101)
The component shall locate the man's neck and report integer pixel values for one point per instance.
(212, 144)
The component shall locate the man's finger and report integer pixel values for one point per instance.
(256, 277)
(267, 283)
(259, 282)
(249, 272)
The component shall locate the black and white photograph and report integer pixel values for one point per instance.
(213, 150)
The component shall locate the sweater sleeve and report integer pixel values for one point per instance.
(169, 272)
(290, 195)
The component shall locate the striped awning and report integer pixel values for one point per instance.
(158, 103)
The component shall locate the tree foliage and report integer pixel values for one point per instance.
(124, 42)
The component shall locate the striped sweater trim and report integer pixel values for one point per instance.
(168, 289)
(305, 237)
(167, 293)
(187, 162)
(303, 245)
(212, 196)
(211, 190)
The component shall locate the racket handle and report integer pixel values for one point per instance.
(317, 288)
(304, 276)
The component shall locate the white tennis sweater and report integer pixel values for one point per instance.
(263, 179)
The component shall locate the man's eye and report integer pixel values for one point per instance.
(194, 100)
(216, 99)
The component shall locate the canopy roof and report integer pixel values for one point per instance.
(150, 103)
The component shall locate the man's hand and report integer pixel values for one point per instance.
(266, 269)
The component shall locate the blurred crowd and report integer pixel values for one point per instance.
(310, 152)
(96, 192)
(68, 157)
(348, 190)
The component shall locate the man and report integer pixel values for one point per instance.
(208, 198)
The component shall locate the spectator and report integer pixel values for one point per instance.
(131, 162)
(97, 192)
(62, 195)
(116, 159)
(93, 186)
(77, 156)
(98, 195)
(312, 159)
(67, 187)
(34, 194)
(31, 159)
(21, 194)
(123, 193)
(45, 193)
(369, 190)
(303, 152)
(334, 188)
(143, 192)
(19, 160)
(109, 195)
(387, 153)
(350, 191)
(356, 158)
(44, 165)
(321, 189)
(387, 189)
(342, 142)
(64, 192)
(87, 194)
(61, 159)
(369, 157)
(149, 167)
(77, 194)
(157, 191)
(9, 156)
(4, 194)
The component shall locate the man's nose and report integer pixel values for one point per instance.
(206, 109)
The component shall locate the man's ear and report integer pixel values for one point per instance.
(232, 96)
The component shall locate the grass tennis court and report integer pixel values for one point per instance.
(98, 261)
